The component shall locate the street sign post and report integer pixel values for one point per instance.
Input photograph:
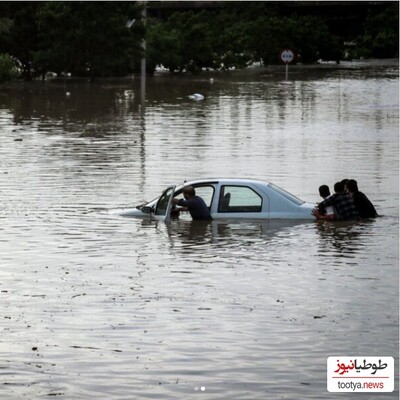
(287, 56)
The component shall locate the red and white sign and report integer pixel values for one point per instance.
(287, 56)
(360, 374)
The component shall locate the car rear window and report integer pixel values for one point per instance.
(287, 195)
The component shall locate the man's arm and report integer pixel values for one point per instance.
(329, 201)
(318, 215)
(182, 203)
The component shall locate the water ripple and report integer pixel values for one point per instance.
(96, 305)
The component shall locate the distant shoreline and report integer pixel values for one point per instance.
(257, 69)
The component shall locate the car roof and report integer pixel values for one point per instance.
(225, 180)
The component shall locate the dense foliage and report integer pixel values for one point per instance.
(8, 69)
(381, 35)
(105, 38)
(81, 38)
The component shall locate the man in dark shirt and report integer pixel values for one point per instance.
(343, 203)
(194, 204)
(364, 206)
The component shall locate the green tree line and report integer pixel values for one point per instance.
(105, 38)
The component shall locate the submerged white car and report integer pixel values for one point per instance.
(230, 199)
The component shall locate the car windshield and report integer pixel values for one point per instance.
(287, 195)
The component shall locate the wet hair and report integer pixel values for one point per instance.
(189, 190)
(352, 186)
(339, 187)
(324, 191)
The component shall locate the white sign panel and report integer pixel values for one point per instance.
(360, 374)
(287, 56)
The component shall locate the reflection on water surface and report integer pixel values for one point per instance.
(96, 305)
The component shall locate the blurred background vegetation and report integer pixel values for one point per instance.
(100, 39)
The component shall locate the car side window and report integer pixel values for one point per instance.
(162, 204)
(239, 199)
(206, 192)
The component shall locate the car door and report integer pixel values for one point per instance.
(162, 210)
(238, 200)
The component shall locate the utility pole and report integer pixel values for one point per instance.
(143, 66)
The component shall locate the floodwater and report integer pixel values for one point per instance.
(98, 306)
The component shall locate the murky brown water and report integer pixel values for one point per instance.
(96, 306)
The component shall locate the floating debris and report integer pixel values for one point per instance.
(196, 96)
